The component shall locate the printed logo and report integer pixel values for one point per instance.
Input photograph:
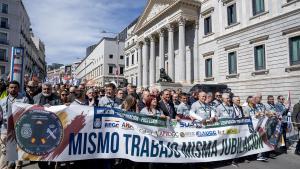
(206, 133)
(229, 131)
(26, 131)
(187, 134)
(111, 123)
(38, 132)
(127, 126)
(189, 125)
(97, 123)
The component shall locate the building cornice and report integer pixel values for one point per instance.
(139, 27)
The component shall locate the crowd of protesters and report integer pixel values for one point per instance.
(200, 106)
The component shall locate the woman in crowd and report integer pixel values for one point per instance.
(151, 108)
(129, 104)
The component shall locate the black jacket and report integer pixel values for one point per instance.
(167, 112)
(52, 100)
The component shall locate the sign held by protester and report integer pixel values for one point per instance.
(68, 133)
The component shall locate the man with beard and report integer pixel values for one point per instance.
(46, 97)
(31, 89)
(109, 99)
(5, 112)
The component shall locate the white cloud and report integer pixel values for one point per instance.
(69, 26)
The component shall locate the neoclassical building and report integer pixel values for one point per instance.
(252, 46)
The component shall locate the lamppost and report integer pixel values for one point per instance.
(118, 51)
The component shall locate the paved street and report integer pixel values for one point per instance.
(283, 161)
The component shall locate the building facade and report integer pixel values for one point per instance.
(15, 31)
(252, 46)
(104, 64)
(131, 58)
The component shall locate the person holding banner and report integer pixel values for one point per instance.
(238, 110)
(166, 105)
(151, 108)
(225, 110)
(202, 112)
(31, 91)
(5, 112)
(183, 109)
(91, 98)
(142, 103)
(109, 99)
(129, 104)
(46, 97)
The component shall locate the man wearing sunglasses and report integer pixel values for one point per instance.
(218, 99)
(31, 91)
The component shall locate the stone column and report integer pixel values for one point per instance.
(171, 57)
(140, 65)
(162, 48)
(196, 53)
(181, 51)
(145, 63)
(152, 69)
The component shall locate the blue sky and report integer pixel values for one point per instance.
(67, 27)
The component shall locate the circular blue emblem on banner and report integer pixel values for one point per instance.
(39, 132)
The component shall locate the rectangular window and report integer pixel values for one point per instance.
(3, 38)
(208, 68)
(294, 50)
(258, 6)
(2, 54)
(259, 55)
(111, 56)
(4, 22)
(110, 69)
(2, 70)
(127, 61)
(232, 63)
(4, 8)
(132, 59)
(121, 57)
(231, 14)
(207, 25)
(121, 70)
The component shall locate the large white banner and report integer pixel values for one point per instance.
(67, 133)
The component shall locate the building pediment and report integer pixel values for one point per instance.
(155, 8)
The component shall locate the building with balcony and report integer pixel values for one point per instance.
(15, 31)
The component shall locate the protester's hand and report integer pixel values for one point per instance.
(163, 116)
(47, 105)
(178, 118)
(204, 122)
(67, 104)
